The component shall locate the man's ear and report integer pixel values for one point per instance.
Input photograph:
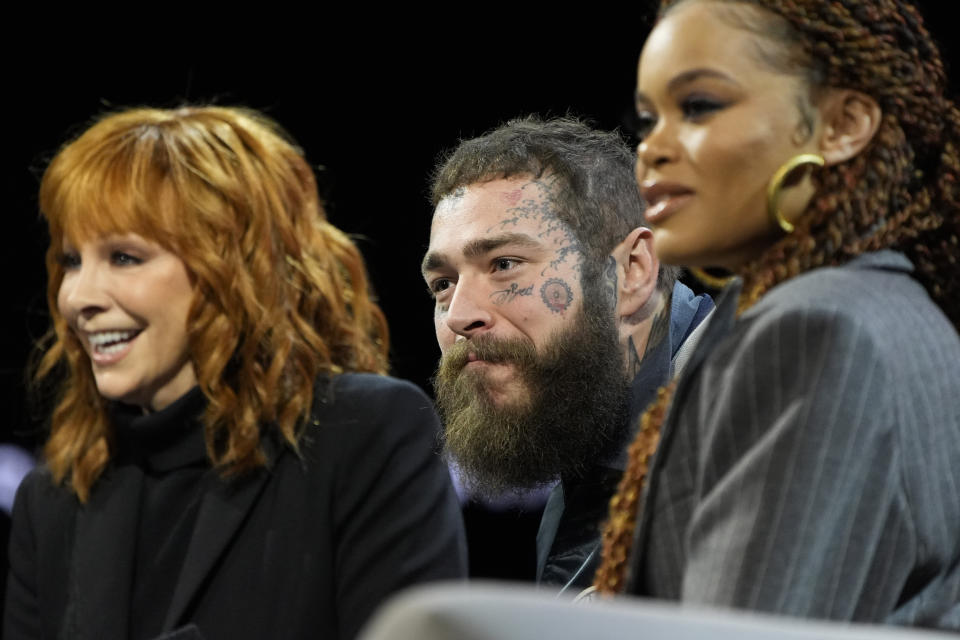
(850, 120)
(638, 267)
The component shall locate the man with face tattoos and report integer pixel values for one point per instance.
(555, 321)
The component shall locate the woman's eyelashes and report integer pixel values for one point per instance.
(69, 260)
(693, 108)
(124, 259)
(643, 123)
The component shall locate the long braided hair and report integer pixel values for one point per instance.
(901, 192)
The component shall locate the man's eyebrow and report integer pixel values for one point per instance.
(433, 261)
(483, 246)
(477, 248)
(687, 77)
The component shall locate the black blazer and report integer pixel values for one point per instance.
(305, 549)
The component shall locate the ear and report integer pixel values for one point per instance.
(850, 120)
(638, 267)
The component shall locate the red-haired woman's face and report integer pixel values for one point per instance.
(127, 300)
(716, 124)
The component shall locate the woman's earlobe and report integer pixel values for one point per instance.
(851, 119)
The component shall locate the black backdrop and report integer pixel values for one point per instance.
(373, 96)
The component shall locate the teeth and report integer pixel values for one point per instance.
(114, 348)
(101, 339)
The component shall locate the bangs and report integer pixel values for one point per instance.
(103, 185)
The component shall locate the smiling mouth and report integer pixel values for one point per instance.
(108, 343)
(663, 199)
(664, 208)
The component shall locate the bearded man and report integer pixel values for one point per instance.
(555, 321)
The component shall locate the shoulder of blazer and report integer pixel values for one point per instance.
(868, 280)
(366, 396)
(367, 410)
(42, 497)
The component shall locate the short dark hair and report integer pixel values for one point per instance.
(598, 196)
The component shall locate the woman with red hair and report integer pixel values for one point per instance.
(225, 451)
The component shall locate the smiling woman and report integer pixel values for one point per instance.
(226, 454)
(713, 117)
(807, 462)
(127, 300)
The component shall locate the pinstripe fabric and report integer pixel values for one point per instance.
(810, 464)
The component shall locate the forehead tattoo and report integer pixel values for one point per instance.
(536, 201)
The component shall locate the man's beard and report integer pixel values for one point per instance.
(571, 414)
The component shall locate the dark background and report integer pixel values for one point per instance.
(373, 97)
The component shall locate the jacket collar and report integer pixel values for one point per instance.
(223, 509)
(106, 532)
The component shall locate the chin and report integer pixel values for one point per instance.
(669, 248)
(513, 398)
(118, 393)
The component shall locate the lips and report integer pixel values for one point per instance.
(474, 361)
(107, 347)
(663, 199)
(480, 359)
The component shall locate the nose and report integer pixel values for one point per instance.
(657, 148)
(469, 312)
(82, 292)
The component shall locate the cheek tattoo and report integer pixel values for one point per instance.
(556, 295)
(507, 295)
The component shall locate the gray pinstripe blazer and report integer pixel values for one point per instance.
(810, 463)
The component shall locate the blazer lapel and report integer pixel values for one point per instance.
(223, 509)
(103, 558)
(720, 323)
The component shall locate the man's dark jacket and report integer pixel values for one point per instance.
(568, 542)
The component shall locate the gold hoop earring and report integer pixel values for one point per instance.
(710, 281)
(776, 185)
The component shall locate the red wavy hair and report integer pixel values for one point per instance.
(280, 294)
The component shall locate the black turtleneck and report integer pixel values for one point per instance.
(168, 449)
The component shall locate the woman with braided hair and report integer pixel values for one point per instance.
(808, 461)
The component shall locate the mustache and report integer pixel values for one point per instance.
(489, 349)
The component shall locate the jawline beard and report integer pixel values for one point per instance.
(572, 416)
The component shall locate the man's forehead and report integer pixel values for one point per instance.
(502, 192)
(484, 216)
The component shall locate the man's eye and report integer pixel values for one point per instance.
(122, 259)
(439, 285)
(504, 264)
